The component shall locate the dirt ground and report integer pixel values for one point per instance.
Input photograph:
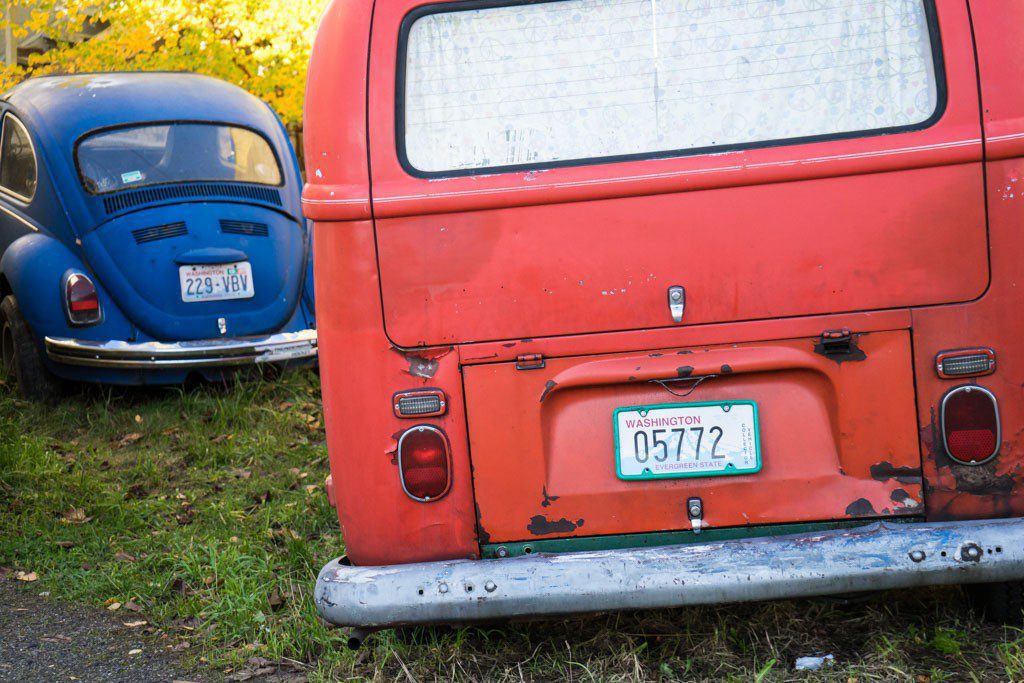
(44, 640)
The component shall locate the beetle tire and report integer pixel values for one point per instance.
(21, 357)
(1001, 603)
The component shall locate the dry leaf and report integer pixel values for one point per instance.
(136, 651)
(76, 516)
(27, 576)
(240, 473)
(138, 419)
(122, 556)
(132, 607)
(312, 488)
(128, 439)
(275, 599)
(64, 544)
(114, 606)
(222, 438)
(135, 624)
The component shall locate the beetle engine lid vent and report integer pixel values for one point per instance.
(159, 232)
(127, 199)
(246, 228)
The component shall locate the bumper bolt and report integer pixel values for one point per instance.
(970, 553)
(917, 555)
(490, 587)
(502, 551)
(442, 588)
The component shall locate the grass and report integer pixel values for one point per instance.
(205, 509)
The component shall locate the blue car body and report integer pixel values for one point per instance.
(134, 240)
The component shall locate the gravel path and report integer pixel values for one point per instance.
(44, 640)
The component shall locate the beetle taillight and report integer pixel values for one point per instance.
(424, 463)
(81, 300)
(970, 424)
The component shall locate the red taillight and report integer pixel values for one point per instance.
(970, 424)
(424, 463)
(82, 300)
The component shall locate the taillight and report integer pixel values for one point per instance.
(970, 425)
(424, 463)
(81, 301)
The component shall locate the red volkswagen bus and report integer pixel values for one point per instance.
(648, 303)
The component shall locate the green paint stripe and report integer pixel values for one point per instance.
(664, 538)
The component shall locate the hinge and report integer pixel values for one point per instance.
(837, 342)
(530, 361)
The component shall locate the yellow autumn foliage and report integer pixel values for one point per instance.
(260, 45)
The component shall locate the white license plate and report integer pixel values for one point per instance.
(216, 283)
(687, 440)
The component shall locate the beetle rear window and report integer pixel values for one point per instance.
(175, 153)
(568, 81)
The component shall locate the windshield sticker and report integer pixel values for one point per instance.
(131, 177)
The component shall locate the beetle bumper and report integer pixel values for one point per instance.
(878, 556)
(276, 348)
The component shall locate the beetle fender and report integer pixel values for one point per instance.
(34, 266)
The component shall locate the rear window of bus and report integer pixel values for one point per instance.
(566, 82)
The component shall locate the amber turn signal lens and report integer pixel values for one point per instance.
(424, 463)
(970, 425)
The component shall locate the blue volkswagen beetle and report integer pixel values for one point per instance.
(150, 228)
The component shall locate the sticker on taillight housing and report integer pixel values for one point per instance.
(424, 463)
(971, 431)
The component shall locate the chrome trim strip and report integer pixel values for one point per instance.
(942, 422)
(878, 556)
(274, 348)
(21, 219)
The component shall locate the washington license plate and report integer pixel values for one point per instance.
(687, 440)
(216, 283)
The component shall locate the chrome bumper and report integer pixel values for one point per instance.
(879, 556)
(275, 348)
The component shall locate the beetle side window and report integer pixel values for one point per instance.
(570, 81)
(18, 172)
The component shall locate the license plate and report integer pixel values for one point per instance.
(216, 283)
(687, 440)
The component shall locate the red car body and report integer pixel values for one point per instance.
(824, 279)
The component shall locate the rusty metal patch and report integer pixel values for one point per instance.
(542, 526)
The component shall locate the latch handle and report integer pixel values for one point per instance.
(677, 302)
